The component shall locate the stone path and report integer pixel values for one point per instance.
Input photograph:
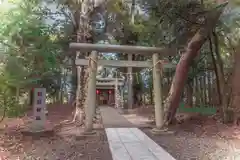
(112, 119)
(129, 143)
(133, 144)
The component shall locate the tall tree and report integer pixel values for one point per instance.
(184, 64)
(30, 50)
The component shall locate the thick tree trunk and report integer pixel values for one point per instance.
(80, 98)
(184, 64)
(83, 34)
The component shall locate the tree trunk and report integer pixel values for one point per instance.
(184, 64)
(220, 70)
(80, 98)
(201, 91)
(196, 92)
(236, 86)
(151, 94)
(82, 31)
(74, 84)
(17, 94)
(215, 70)
(31, 97)
(189, 94)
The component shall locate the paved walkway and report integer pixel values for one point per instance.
(129, 143)
(133, 144)
(112, 119)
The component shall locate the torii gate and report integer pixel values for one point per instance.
(124, 49)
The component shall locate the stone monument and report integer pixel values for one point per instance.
(39, 108)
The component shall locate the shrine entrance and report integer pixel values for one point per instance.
(156, 65)
(105, 96)
(105, 90)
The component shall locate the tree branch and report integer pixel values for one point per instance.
(187, 20)
(70, 17)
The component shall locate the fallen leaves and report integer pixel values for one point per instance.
(61, 145)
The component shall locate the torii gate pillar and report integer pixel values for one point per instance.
(130, 86)
(90, 105)
(157, 87)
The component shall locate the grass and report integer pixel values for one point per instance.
(205, 110)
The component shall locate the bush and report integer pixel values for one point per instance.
(10, 106)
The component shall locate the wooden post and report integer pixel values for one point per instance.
(91, 92)
(130, 87)
(157, 88)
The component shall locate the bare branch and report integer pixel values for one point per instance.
(70, 17)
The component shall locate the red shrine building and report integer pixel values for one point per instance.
(105, 90)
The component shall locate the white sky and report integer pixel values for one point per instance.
(4, 4)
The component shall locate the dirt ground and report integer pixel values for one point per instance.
(198, 138)
(63, 144)
(193, 144)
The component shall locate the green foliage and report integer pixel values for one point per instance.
(8, 101)
(13, 108)
(31, 52)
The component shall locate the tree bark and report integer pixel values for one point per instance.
(151, 94)
(222, 85)
(74, 84)
(82, 32)
(215, 70)
(192, 51)
(236, 86)
(189, 94)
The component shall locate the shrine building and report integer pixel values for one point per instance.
(105, 90)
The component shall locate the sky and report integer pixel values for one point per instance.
(4, 5)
